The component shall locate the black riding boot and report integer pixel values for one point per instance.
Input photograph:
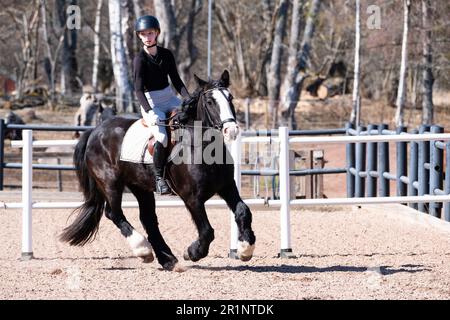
(159, 161)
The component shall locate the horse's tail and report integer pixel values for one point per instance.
(85, 226)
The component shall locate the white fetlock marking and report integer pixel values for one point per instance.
(244, 249)
(179, 268)
(140, 246)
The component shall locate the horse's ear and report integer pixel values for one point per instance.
(225, 78)
(201, 83)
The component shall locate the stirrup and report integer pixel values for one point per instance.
(162, 187)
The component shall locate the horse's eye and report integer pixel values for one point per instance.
(210, 102)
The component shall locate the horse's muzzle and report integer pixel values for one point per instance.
(230, 131)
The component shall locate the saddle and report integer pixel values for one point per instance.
(169, 128)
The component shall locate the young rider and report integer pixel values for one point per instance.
(152, 68)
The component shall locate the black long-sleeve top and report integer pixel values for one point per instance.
(151, 73)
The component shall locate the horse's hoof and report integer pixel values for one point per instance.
(148, 259)
(245, 250)
(245, 258)
(172, 266)
(186, 256)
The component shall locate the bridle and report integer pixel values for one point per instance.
(223, 122)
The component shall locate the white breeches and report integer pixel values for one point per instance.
(162, 102)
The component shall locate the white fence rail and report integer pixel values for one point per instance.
(284, 202)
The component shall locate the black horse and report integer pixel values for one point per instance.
(103, 177)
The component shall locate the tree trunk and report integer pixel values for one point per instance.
(98, 18)
(69, 83)
(185, 66)
(138, 12)
(265, 49)
(356, 98)
(36, 46)
(50, 57)
(292, 62)
(427, 60)
(137, 6)
(401, 93)
(298, 75)
(165, 13)
(275, 65)
(119, 59)
(127, 19)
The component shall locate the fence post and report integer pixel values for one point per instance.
(412, 174)
(27, 182)
(371, 164)
(350, 162)
(236, 149)
(423, 174)
(383, 164)
(285, 223)
(2, 150)
(447, 181)
(360, 166)
(436, 176)
(247, 113)
(402, 163)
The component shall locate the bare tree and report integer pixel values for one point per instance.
(27, 22)
(138, 11)
(234, 37)
(192, 50)
(265, 46)
(274, 75)
(401, 93)
(356, 98)
(98, 18)
(294, 44)
(51, 55)
(127, 19)
(298, 74)
(69, 82)
(119, 59)
(165, 12)
(427, 60)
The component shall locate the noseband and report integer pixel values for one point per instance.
(222, 123)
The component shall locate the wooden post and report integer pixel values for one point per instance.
(318, 178)
(59, 176)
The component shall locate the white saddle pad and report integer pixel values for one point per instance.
(134, 145)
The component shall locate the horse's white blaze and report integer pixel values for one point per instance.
(140, 246)
(244, 249)
(230, 129)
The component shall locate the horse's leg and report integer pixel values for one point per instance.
(113, 211)
(149, 221)
(200, 247)
(243, 218)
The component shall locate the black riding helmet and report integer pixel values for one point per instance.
(146, 22)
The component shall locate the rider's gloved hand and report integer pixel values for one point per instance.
(181, 117)
(187, 103)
